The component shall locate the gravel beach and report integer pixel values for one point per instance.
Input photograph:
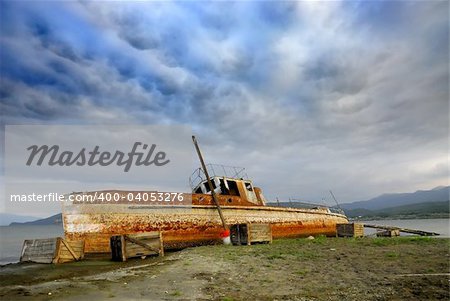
(403, 268)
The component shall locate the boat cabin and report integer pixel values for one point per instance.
(236, 186)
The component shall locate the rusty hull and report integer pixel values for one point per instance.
(185, 225)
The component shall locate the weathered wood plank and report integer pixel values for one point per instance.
(405, 230)
(350, 230)
(259, 233)
(141, 243)
(72, 252)
(145, 235)
(51, 250)
(136, 245)
(39, 250)
(122, 246)
(388, 233)
(161, 244)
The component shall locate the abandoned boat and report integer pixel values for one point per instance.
(191, 218)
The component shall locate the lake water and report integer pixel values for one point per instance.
(438, 225)
(12, 237)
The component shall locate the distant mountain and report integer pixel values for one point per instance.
(52, 220)
(419, 209)
(438, 194)
(422, 203)
(6, 218)
(438, 187)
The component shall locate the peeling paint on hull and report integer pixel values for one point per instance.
(190, 225)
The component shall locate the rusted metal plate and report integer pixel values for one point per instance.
(113, 197)
(187, 226)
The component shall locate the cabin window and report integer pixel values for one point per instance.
(233, 188)
(248, 186)
(207, 185)
(223, 187)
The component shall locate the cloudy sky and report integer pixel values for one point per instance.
(308, 96)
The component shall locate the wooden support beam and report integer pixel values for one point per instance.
(140, 243)
(72, 252)
(405, 230)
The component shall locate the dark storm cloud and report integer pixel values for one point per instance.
(309, 96)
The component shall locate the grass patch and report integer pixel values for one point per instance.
(388, 241)
(301, 272)
(419, 239)
(392, 255)
(176, 293)
(321, 239)
(231, 254)
(382, 241)
(306, 254)
(276, 256)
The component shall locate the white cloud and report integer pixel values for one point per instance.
(310, 96)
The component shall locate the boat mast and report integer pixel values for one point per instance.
(209, 182)
(331, 192)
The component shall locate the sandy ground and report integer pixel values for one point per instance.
(296, 269)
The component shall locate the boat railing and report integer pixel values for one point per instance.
(217, 170)
(336, 210)
(295, 203)
(332, 209)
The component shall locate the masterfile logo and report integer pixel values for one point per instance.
(62, 159)
(53, 156)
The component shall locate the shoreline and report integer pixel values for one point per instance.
(397, 217)
(288, 269)
(13, 248)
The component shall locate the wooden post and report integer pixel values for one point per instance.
(122, 248)
(57, 250)
(161, 244)
(209, 183)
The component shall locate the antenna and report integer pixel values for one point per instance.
(331, 192)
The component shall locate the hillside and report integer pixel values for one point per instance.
(52, 220)
(438, 194)
(429, 209)
(423, 203)
(7, 218)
